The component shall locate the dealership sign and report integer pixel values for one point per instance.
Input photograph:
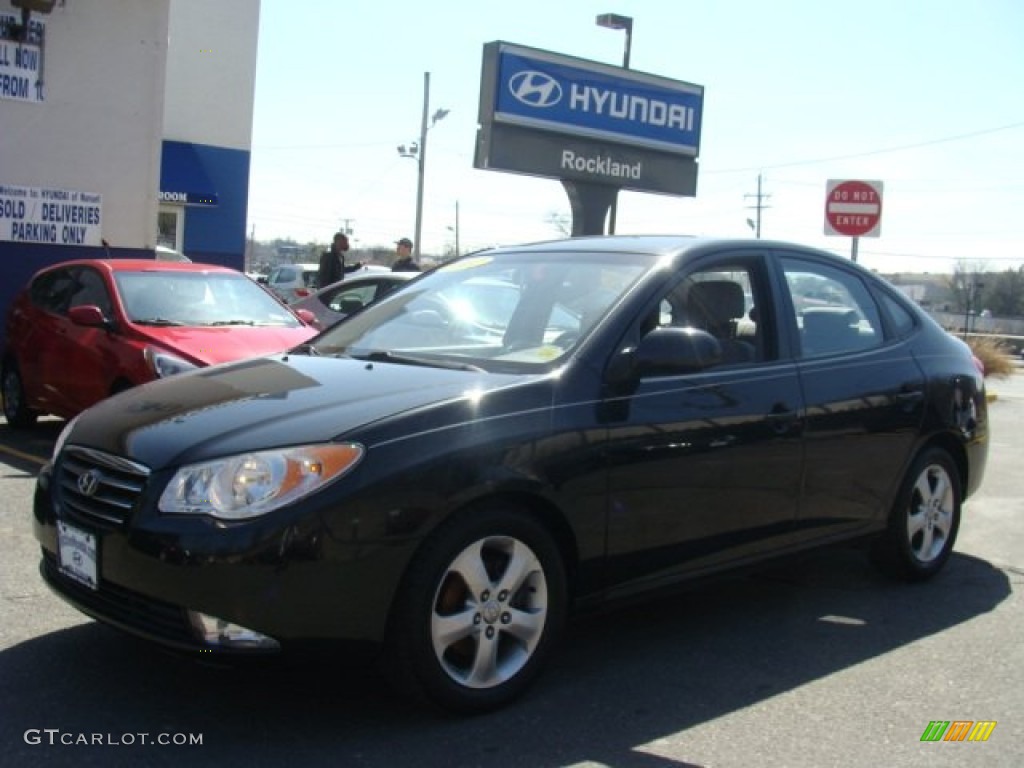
(50, 216)
(552, 115)
(21, 62)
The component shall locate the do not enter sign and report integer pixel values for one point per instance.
(853, 208)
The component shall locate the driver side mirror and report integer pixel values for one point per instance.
(307, 317)
(668, 351)
(88, 315)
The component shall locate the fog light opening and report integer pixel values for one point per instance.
(224, 634)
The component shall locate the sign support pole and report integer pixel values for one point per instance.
(590, 204)
(855, 241)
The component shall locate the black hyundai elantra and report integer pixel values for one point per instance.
(513, 437)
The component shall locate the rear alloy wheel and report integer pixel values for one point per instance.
(481, 608)
(925, 519)
(16, 411)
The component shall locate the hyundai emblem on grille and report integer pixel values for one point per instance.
(89, 482)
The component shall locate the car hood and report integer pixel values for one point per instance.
(205, 345)
(274, 401)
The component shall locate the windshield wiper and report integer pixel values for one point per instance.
(304, 349)
(158, 321)
(232, 322)
(384, 356)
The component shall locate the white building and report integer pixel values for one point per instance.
(123, 125)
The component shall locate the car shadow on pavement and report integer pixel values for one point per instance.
(619, 681)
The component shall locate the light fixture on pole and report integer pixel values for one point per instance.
(418, 151)
(615, 21)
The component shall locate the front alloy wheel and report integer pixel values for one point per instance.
(481, 607)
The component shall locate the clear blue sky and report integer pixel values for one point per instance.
(923, 95)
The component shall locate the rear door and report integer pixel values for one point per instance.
(43, 345)
(864, 393)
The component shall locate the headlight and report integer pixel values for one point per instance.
(165, 364)
(239, 487)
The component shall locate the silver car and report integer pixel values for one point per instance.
(292, 282)
(340, 299)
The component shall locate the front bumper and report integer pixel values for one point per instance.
(290, 576)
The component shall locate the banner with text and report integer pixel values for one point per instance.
(21, 60)
(50, 216)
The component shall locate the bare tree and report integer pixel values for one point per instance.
(560, 222)
(1003, 293)
(965, 285)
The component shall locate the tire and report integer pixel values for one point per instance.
(481, 607)
(924, 520)
(16, 411)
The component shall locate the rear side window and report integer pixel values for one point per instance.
(283, 275)
(53, 291)
(900, 317)
(834, 310)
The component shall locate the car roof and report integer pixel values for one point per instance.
(671, 246)
(140, 265)
(367, 277)
(653, 244)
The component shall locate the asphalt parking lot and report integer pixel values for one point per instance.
(819, 662)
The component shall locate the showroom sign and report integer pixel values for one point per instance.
(50, 216)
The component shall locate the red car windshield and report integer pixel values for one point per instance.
(199, 298)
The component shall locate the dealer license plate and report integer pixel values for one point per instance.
(76, 554)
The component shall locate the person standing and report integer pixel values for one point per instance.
(404, 262)
(332, 262)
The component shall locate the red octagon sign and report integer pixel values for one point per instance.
(853, 208)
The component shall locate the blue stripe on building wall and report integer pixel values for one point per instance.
(214, 234)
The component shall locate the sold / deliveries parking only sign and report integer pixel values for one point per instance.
(853, 208)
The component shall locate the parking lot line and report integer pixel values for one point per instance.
(22, 455)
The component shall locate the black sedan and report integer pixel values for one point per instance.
(519, 435)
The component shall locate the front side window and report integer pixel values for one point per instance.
(834, 311)
(727, 300)
(91, 289)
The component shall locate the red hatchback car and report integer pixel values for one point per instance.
(84, 330)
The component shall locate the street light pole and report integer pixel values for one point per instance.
(422, 162)
(615, 21)
(418, 152)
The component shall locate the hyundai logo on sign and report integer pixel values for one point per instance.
(547, 91)
(535, 89)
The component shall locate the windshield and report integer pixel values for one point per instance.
(503, 311)
(199, 298)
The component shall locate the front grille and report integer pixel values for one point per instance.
(122, 607)
(99, 486)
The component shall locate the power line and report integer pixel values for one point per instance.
(900, 148)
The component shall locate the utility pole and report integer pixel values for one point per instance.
(346, 226)
(250, 252)
(756, 224)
